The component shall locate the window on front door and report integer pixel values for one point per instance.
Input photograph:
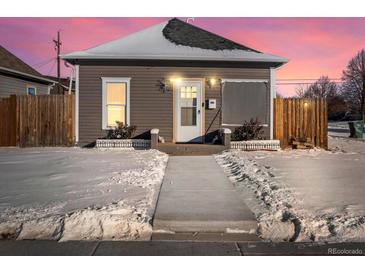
(115, 101)
(188, 99)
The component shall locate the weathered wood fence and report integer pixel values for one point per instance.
(302, 120)
(42, 120)
(8, 107)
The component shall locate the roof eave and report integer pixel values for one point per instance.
(30, 76)
(113, 57)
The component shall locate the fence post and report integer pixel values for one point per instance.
(226, 137)
(13, 120)
(154, 138)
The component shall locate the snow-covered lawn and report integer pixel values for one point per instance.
(339, 129)
(74, 193)
(303, 195)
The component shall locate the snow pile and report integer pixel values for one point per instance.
(346, 145)
(113, 222)
(280, 214)
(129, 218)
(31, 223)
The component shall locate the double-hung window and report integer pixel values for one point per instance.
(115, 101)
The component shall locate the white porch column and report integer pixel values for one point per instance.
(77, 103)
(272, 96)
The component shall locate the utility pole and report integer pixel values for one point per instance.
(58, 49)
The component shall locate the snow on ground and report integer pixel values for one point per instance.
(339, 129)
(342, 124)
(74, 193)
(303, 195)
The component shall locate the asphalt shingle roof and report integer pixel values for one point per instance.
(181, 33)
(174, 40)
(10, 61)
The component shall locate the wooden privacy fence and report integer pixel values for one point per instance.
(303, 120)
(42, 120)
(8, 121)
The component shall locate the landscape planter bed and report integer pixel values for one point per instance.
(123, 143)
(256, 145)
(146, 144)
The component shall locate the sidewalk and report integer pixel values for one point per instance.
(174, 248)
(196, 196)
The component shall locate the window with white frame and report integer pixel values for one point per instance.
(31, 90)
(115, 101)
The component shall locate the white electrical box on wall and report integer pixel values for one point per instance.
(212, 103)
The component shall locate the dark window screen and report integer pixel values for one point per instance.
(244, 100)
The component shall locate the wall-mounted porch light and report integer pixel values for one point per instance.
(162, 85)
(175, 80)
(166, 85)
(211, 82)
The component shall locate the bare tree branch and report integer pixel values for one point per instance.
(353, 88)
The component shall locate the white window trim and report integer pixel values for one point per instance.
(30, 86)
(240, 81)
(272, 96)
(106, 80)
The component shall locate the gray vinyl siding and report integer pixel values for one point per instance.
(150, 107)
(11, 85)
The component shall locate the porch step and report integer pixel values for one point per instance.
(204, 236)
(190, 149)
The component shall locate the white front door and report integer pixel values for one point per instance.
(188, 106)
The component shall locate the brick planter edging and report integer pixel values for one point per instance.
(123, 143)
(256, 145)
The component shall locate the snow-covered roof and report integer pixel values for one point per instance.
(174, 40)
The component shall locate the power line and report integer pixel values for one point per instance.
(42, 63)
(304, 83)
(298, 79)
(53, 59)
(52, 67)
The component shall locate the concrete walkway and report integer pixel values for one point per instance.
(196, 196)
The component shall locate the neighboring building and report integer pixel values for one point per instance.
(16, 77)
(64, 85)
(176, 77)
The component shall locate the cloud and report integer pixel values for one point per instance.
(315, 46)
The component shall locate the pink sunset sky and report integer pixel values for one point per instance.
(314, 46)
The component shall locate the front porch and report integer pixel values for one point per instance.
(190, 149)
(223, 143)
